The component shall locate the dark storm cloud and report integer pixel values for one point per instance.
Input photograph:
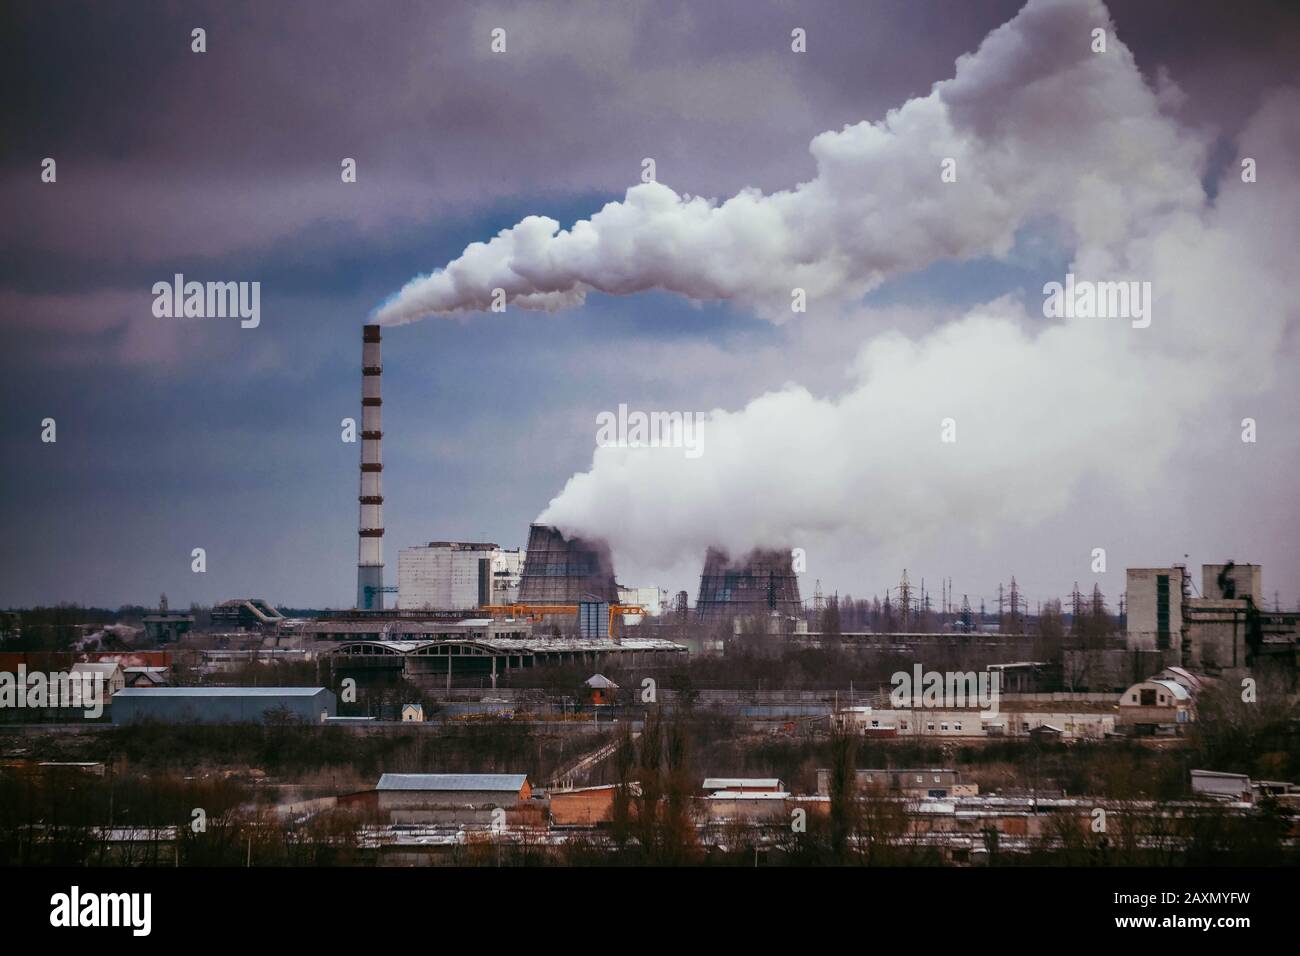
(225, 165)
(165, 152)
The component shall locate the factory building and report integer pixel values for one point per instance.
(741, 785)
(223, 705)
(408, 790)
(1224, 629)
(560, 570)
(445, 575)
(761, 583)
(166, 626)
(473, 658)
(246, 614)
(588, 806)
(1155, 609)
(915, 784)
(1232, 581)
(507, 574)
(650, 598)
(955, 722)
(410, 628)
(407, 799)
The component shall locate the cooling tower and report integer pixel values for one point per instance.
(560, 570)
(763, 582)
(370, 526)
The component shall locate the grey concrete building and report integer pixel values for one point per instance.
(1155, 610)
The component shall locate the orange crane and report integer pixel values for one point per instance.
(535, 612)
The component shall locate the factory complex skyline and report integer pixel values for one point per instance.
(838, 271)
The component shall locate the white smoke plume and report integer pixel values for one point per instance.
(1034, 106)
(1042, 129)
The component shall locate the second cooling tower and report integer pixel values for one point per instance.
(560, 570)
(762, 582)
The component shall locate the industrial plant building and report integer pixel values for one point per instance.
(963, 723)
(492, 657)
(445, 575)
(405, 799)
(398, 790)
(650, 598)
(915, 784)
(165, 626)
(246, 614)
(384, 628)
(223, 705)
(507, 574)
(1225, 628)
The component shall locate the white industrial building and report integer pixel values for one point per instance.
(650, 598)
(926, 722)
(445, 576)
(507, 573)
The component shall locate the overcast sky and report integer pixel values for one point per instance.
(175, 434)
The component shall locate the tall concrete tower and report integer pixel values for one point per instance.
(370, 528)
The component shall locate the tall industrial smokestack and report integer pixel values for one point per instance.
(370, 528)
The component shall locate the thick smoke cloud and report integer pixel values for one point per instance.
(1031, 108)
(1043, 130)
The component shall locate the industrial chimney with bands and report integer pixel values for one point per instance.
(370, 528)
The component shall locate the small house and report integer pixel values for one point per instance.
(601, 690)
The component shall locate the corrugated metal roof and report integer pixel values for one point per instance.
(219, 692)
(750, 795)
(735, 783)
(1178, 690)
(502, 645)
(453, 781)
(1223, 775)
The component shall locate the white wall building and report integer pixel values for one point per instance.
(928, 722)
(445, 576)
(412, 713)
(507, 572)
(650, 598)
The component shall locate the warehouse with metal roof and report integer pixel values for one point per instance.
(485, 656)
(223, 705)
(410, 797)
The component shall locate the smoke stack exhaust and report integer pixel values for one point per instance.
(370, 527)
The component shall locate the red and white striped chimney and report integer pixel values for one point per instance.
(370, 529)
